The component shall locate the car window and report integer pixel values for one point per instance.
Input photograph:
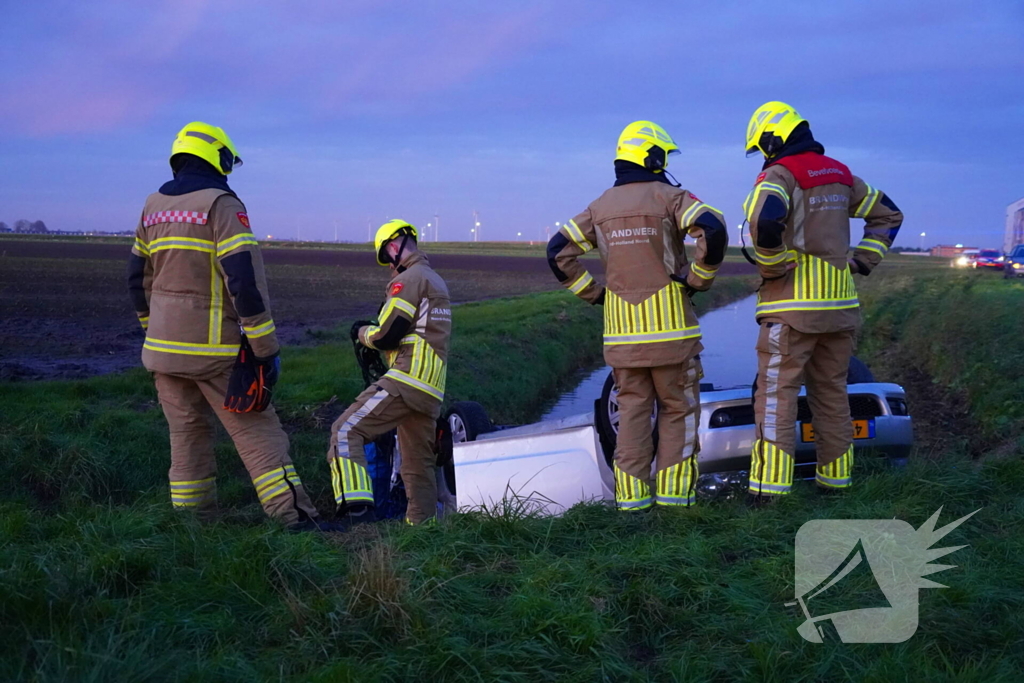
(988, 253)
(1018, 252)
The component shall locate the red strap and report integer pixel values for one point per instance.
(814, 170)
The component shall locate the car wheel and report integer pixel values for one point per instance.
(606, 416)
(467, 420)
(859, 373)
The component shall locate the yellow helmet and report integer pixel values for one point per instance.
(646, 144)
(389, 231)
(209, 143)
(770, 127)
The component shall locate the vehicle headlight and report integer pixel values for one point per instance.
(1001, 259)
(962, 261)
(1016, 266)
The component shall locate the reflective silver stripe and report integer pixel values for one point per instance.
(646, 337)
(202, 136)
(688, 215)
(190, 349)
(773, 259)
(812, 305)
(768, 488)
(633, 504)
(771, 384)
(353, 420)
(690, 423)
(676, 500)
(409, 339)
(406, 378)
(180, 243)
(235, 242)
(576, 235)
(581, 283)
(830, 481)
(702, 273)
(260, 330)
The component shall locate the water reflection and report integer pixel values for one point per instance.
(729, 358)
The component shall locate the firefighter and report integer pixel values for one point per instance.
(651, 335)
(413, 329)
(799, 213)
(196, 281)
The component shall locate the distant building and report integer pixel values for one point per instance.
(1014, 226)
(950, 251)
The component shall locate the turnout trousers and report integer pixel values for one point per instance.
(258, 438)
(374, 412)
(786, 359)
(676, 388)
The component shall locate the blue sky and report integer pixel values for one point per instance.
(353, 112)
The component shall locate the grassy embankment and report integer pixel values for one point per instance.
(100, 581)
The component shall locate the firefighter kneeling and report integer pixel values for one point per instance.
(413, 330)
(651, 336)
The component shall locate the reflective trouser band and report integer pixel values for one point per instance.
(165, 346)
(771, 469)
(773, 259)
(836, 474)
(351, 482)
(144, 321)
(651, 337)
(675, 483)
(812, 305)
(193, 493)
(631, 493)
(275, 482)
(408, 379)
(427, 522)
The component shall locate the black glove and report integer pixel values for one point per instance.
(249, 387)
(356, 326)
(690, 291)
(599, 301)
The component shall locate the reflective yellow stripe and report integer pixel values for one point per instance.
(576, 235)
(142, 246)
(661, 317)
(187, 243)
(877, 246)
(189, 349)
(771, 469)
(631, 493)
(351, 482)
(216, 303)
(675, 484)
(406, 378)
(817, 286)
(239, 240)
(751, 203)
(866, 204)
(837, 474)
(581, 283)
(259, 330)
(702, 273)
(686, 220)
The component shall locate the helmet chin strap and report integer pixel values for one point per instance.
(672, 179)
(397, 260)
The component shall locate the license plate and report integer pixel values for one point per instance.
(862, 429)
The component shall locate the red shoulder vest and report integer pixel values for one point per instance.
(813, 170)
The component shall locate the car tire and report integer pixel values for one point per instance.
(606, 419)
(467, 420)
(859, 373)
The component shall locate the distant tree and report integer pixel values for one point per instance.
(3, 227)
(22, 225)
(39, 226)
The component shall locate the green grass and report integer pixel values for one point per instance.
(100, 580)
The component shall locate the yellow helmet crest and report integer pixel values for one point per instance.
(770, 127)
(209, 143)
(389, 231)
(646, 144)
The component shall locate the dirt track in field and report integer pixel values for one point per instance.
(65, 311)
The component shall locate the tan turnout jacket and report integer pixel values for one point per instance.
(193, 326)
(417, 300)
(799, 213)
(638, 229)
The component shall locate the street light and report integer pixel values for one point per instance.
(922, 240)
(427, 233)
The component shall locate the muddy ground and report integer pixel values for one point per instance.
(65, 312)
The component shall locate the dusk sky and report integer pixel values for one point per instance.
(353, 112)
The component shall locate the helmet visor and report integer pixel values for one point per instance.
(752, 151)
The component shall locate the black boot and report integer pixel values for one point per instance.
(355, 514)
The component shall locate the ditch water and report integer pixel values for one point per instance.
(729, 359)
